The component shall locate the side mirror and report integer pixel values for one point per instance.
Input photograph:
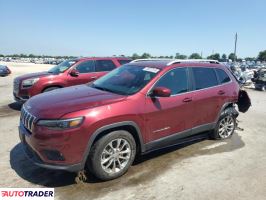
(74, 73)
(161, 92)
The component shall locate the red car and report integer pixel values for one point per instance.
(67, 73)
(137, 108)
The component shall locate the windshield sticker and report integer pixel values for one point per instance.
(149, 69)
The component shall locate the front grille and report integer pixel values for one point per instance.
(16, 85)
(27, 119)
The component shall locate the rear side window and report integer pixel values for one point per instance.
(204, 77)
(176, 80)
(122, 62)
(86, 67)
(104, 65)
(222, 76)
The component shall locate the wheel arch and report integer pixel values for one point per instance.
(129, 126)
(49, 86)
(225, 107)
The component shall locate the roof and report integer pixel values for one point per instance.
(89, 58)
(161, 63)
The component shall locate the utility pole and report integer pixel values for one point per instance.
(235, 48)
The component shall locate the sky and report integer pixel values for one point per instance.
(124, 27)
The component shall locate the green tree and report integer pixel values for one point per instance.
(231, 56)
(224, 57)
(145, 55)
(135, 56)
(180, 56)
(23, 55)
(262, 56)
(194, 56)
(215, 56)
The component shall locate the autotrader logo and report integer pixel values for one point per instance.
(27, 193)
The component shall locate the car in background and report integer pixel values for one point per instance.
(260, 79)
(140, 107)
(4, 70)
(68, 73)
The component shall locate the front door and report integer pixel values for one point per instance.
(86, 73)
(170, 115)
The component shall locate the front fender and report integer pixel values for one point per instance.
(109, 127)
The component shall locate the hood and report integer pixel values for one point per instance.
(55, 104)
(33, 75)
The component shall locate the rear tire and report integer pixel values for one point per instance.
(50, 89)
(225, 126)
(112, 155)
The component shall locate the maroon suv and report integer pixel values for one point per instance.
(67, 73)
(137, 108)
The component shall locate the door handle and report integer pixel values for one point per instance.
(221, 92)
(94, 77)
(188, 99)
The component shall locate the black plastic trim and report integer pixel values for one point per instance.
(176, 138)
(108, 127)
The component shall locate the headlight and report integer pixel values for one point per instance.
(61, 124)
(29, 82)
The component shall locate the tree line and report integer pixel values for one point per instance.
(216, 56)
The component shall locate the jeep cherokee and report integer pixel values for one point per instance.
(137, 108)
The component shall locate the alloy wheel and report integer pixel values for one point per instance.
(226, 127)
(115, 156)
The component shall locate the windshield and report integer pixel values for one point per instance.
(63, 66)
(126, 80)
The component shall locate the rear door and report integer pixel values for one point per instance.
(207, 97)
(103, 66)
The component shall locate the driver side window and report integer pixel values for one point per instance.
(176, 80)
(86, 67)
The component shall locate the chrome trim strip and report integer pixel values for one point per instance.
(162, 129)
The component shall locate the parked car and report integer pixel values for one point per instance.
(4, 70)
(137, 108)
(260, 79)
(67, 73)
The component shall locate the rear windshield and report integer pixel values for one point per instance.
(63, 66)
(122, 62)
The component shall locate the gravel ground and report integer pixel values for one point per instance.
(206, 169)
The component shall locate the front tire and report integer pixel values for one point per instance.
(112, 155)
(225, 126)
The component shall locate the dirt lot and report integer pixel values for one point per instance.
(230, 169)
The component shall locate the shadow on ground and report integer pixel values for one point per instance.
(11, 109)
(145, 169)
(15, 106)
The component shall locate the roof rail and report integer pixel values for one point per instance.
(193, 60)
(175, 61)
